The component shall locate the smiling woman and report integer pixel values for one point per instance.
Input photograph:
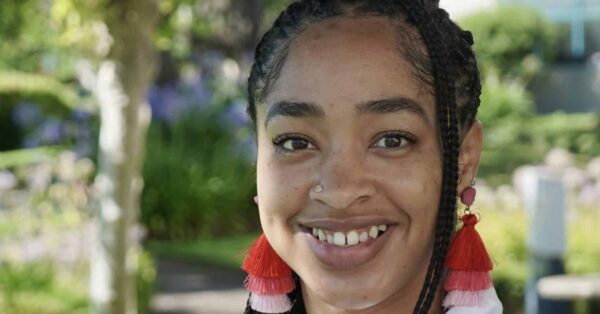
(366, 131)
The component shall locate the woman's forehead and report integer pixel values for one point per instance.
(345, 60)
(363, 30)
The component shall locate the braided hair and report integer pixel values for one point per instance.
(442, 59)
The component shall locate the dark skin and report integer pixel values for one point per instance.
(346, 112)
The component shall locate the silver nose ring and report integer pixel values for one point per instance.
(319, 188)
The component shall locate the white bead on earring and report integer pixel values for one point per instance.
(319, 188)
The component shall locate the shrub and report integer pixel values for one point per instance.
(145, 282)
(36, 288)
(40, 110)
(505, 234)
(198, 179)
(511, 42)
(515, 135)
(504, 112)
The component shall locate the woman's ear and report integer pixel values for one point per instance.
(468, 160)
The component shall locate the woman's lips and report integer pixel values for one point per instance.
(348, 256)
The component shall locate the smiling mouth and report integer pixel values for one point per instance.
(342, 248)
(346, 238)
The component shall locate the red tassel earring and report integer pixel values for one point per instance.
(269, 278)
(468, 262)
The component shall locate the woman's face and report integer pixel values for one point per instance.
(347, 113)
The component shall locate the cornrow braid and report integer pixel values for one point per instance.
(445, 98)
(445, 64)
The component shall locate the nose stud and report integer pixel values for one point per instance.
(319, 188)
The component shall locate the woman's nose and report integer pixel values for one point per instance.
(344, 181)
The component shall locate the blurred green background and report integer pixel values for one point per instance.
(198, 169)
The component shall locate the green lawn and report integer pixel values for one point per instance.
(228, 252)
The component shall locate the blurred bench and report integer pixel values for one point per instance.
(572, 287)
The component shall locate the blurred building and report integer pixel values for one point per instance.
(573, 83)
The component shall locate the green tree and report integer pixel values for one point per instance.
(123, 77)
(511, 42)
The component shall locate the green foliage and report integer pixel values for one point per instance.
(23, 157)
(504, 101)
(19, 23)
(511, 42)
(145, 282)
(79, 26)
(505, 234)
(504, 113)
(583, 244)
(226, 251)
(55, 96)
(36, 288)
(30, 40)
(197, 181)
(39, 287)
(55, 99)
(515, 135)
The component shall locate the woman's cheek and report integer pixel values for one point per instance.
(281, 188)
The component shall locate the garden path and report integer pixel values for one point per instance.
(185, 287)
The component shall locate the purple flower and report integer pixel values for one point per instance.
(168, 102)
(210, 60)
(194, 93)
(83, 142)
(236, 115)
(80, 116)
(52, 131)
(31, 141)
(200, 95)
(164, 102)
(26, 114)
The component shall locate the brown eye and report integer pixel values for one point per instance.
(296, 144)
(292, 143)
(389, 142)
(393, 141)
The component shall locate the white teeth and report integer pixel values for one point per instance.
(373, 232)
(364, 236)
(339, 239)
(322, 235)
(352, 238)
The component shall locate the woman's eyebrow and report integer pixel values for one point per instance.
(308, 110)
(293, 109)
(393, 105)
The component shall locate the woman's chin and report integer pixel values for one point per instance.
(348, 298)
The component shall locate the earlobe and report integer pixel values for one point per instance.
(470, 153)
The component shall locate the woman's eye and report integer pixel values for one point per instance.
(290, 144)
(392, 141)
